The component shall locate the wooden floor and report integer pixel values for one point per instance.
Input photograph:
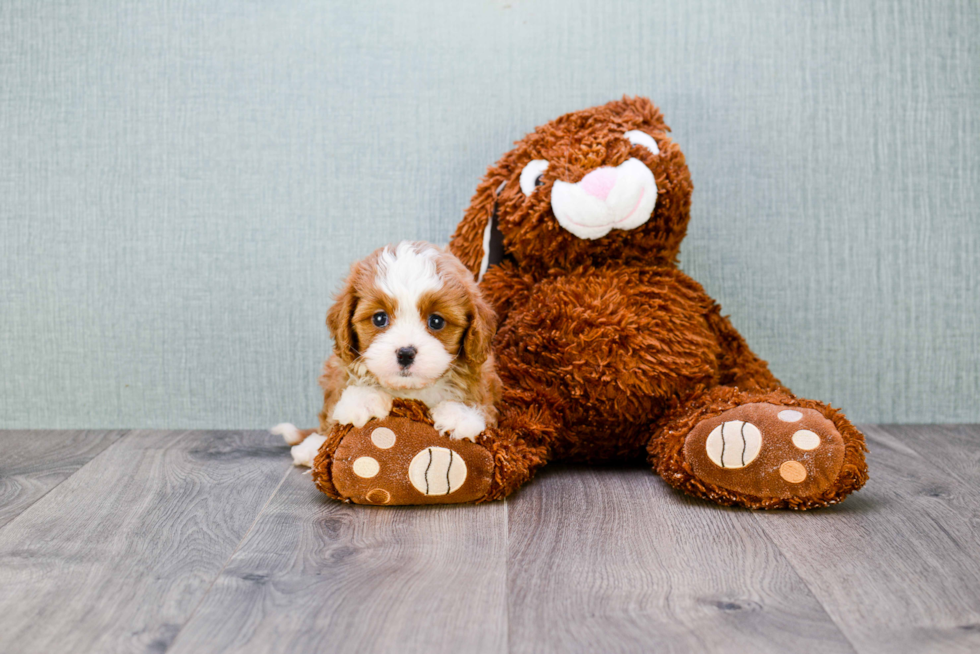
(150, 541)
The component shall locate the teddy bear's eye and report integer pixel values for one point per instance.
(636, 137)
(531, 176)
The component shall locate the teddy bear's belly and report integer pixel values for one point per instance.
(609, 349)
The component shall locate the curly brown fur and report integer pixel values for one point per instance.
(575, 144)
(605, 348)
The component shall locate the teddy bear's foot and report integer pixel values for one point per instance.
(768, 451)
(398, 460)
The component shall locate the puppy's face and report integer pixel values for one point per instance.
(409, 313)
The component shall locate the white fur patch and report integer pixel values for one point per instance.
(305, 452)
(487, 233)
(407, 271)
(441, 391)
(530, 174)
(407, 330)
(626, 205)
(636, 137)
(288, 431)
(458, 420)
(358, 404)
(485, 263)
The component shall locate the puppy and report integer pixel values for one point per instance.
(409, 323)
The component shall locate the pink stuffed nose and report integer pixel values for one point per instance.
(599, 182)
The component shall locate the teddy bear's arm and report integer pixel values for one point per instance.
(506, 287)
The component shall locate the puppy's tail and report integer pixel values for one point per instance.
(290, 433)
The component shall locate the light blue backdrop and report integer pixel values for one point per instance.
(182, 187)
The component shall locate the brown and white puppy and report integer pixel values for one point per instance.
(409, 323)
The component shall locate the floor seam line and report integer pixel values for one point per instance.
(224, 565)
(803, 580)
(105, 449)
(507, 575)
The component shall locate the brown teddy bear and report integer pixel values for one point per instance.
(606, 350)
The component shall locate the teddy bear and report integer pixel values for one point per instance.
(606, 350)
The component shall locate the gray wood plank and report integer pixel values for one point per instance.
(116, 557)
(318, 575)
(898, 564)
(613, 560)
(34, 462)
(954, 448)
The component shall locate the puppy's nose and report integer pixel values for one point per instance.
(406, 355)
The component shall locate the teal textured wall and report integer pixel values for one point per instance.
(182, 187)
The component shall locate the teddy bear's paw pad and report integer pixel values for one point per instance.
(400, 461)
(767, 450)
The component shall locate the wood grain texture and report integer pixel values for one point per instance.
(319, 575)
(954, 448)
(197, 542)
(115, 558)
(34, 462)
(897, 565)
(613, 560)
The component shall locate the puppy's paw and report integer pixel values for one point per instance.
(458, 421)
(358, 404)
(305, 452)
(289, 433)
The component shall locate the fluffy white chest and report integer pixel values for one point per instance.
(441, 391)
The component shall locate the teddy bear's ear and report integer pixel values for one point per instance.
(477, 242)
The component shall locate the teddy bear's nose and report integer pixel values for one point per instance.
(599, 182)
(620, 197)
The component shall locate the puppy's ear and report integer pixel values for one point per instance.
(478, 339)
(340, 320)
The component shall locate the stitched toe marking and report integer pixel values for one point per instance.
(734, 444)
(802, 457)
(366, 467)
(383, 438)
(793, 472)
(790, 415)
(806, 440)
(378, 496)
(437, 471)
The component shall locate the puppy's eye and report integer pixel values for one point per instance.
(380, 319)
(436, 322)
(533, 175)
(636, 137)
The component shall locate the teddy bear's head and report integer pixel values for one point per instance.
(600, 184)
